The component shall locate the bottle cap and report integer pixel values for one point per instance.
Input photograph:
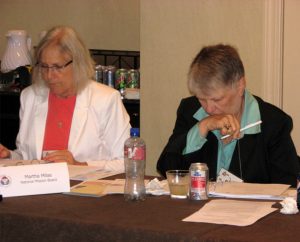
(135, 132)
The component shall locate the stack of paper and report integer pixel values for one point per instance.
(248, 190)
(84, 173)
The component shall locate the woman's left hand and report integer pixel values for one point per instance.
(62, 156)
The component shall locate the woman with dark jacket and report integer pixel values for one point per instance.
(221, 106)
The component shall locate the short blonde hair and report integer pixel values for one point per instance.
(68, 40)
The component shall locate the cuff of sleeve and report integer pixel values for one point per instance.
(15, 156)
(194, 141)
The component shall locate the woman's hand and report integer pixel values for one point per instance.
(4, 152)
(62, 156)
(226, 123)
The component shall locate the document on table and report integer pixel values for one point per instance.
(98, 188)
(248, 190)
(84, 173)
(231, 212)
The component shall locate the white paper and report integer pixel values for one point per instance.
(84, 173)
(157, 188)
(226, 176)
(248, 190)
(289, 206)
(34, 179)
(231, 212)
(291, 192)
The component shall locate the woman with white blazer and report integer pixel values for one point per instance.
(65, 116)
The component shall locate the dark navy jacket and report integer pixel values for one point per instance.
(267, 157)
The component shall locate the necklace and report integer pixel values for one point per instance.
(59, 124)
(62, 110)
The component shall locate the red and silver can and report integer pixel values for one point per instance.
(199, 181)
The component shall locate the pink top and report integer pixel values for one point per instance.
(58, 124)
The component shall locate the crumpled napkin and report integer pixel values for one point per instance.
(289, 206)
(157, 188)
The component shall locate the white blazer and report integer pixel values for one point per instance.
(99, 128)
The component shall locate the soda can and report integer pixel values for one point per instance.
(133, 80)
(120, 81)
(109, 75)
(199, 181)
(99, 73)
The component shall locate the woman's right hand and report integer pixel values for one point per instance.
(4, 152)
(225, 123)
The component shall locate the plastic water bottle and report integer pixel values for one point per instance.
(135, 161)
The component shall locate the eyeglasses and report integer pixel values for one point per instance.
(55, 68)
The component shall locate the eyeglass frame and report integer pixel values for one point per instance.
(55, 68)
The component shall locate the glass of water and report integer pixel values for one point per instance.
(178, 181)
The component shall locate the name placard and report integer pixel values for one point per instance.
(34, 179)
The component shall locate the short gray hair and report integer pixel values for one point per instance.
(68, 40)
(215, 65)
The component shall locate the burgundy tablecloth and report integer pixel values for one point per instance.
(59, 217)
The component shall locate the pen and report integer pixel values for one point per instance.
(242, 129)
